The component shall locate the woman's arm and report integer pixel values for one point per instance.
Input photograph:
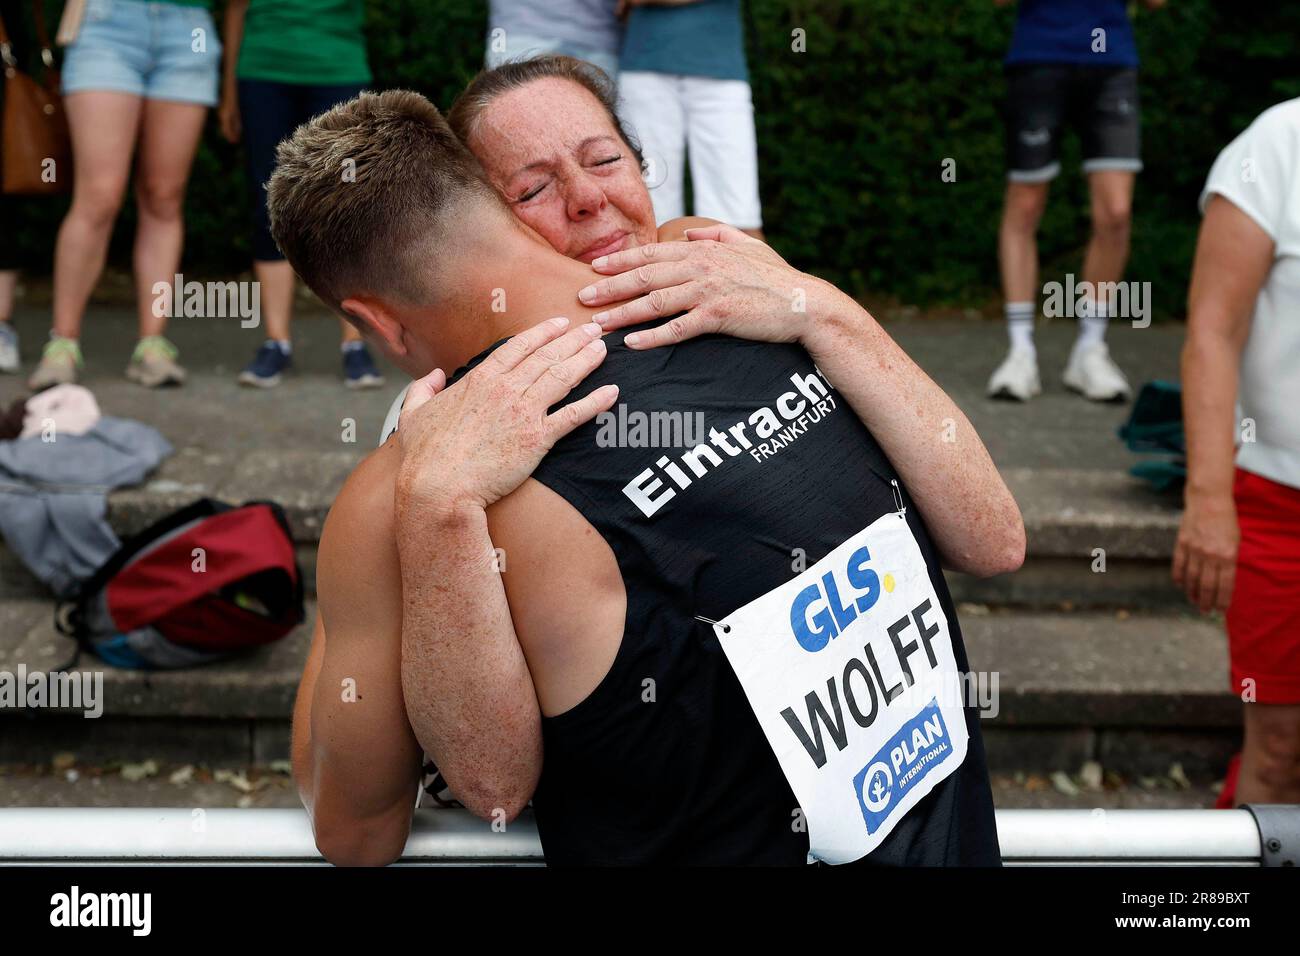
(232, 37)
(724, 281)
(970, 513)
(1233, 257)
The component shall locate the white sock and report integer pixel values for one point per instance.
(1020, 324)
(284, 345)
(1092, 323)
(347, 347)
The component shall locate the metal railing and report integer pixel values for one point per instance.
(441, 837)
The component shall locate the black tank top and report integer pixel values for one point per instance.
(665, 761)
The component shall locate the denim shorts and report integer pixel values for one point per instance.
(160, 51)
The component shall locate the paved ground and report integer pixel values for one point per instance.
(212, 412)
(1058, 430)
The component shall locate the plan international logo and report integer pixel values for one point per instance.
(920, 745)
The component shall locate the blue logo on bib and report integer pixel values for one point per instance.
(819, 612)
(920, 745)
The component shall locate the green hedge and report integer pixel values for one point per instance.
(853, 133)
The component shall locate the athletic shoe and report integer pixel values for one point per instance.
(1093, 373)
(359, 369)
(1017, 376)
(267, 366)
(8, 348)
(60, 360)
(153, 363)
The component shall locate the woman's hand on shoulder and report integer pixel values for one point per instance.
(719, 281)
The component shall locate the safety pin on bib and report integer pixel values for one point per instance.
(898, 498)
(726, 628)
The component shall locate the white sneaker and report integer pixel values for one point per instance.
(8, 348)
(1016, 377)
(1093, 373)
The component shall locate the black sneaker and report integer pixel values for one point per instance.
(359, 369)
(267, 366)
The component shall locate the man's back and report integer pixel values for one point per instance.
(665, 760)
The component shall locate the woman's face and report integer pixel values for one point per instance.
(553, 153)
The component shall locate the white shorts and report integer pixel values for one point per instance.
(711, 120)
(521, 46)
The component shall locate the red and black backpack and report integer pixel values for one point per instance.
(200, 585)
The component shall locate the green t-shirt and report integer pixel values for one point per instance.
(313, 42)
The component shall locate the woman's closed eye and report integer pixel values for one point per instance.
(532, 192)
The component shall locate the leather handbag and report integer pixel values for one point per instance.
(35, 151)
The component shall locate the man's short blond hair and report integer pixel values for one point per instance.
(360, 196)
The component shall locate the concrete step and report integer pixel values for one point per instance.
(1134, 691)
(1095, 539)
(303, 482)
(232, 711)
(1137, 692)
(1077, 523)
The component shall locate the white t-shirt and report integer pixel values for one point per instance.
(394, 412)
(1259, 173)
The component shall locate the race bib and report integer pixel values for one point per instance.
(850, 670)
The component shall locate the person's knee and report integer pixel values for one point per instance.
(1024, 207)
(97, 202)
(160, 199)
(1111, 218)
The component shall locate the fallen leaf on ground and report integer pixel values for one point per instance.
(1062, 782)
(234, 779)
(136, 772)
(64, 760)
(1090, 775)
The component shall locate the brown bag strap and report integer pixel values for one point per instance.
(5, 49)
(42, 37)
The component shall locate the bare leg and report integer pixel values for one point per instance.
(1090, 369)
(103, 127)
(1270, 759)
(275, 277)
(8, 337)
(8, 284)
(168, 139)
(1018, 240)
(350, 333)
(1112, 207)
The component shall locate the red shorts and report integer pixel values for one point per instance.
(1264, 616)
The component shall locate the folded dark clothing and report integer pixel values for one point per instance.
(11, 421)
(1165, 474)
(1156, 421)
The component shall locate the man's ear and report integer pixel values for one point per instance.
(375, 318)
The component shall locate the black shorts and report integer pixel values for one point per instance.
(1100, 102)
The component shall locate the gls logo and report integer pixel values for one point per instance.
(819, 613)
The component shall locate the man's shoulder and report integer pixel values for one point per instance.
(362, 516)
(358, 573)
